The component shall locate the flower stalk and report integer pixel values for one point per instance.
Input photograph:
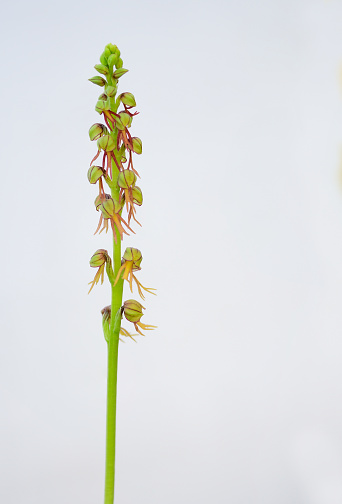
(116, 145)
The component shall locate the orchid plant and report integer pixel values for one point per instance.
(117, 209)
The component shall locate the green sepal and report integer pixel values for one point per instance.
(97, 130)
(111, 90)
(136, 145)
(137, 196)
(126, 119)
(119, 124)
(102, 69)
(113, 58)
(128, 99)
(119, 63)
(133, 254)
(99, 258)
(95, 173)
(132, 310)
(99, 81)
(102, 105)
(103, 59)
(108, 206)
(112, 48)
(106, 143)
(107, 52)
(106, 317)
(119, 73)
(126, 179)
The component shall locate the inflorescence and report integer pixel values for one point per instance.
(116, 146)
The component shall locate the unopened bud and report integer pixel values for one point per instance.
(119, 63)
(112, 60)
(126, 178)
(133, 254)
(107, 52)
(97, 80)
(103, 97)
(95, 173)
(112, 48)
(97, 130)
(133, 310)
(137, 196)
(103, 59)
(106, 313)
(111, 90)
(99, 258)
(128, 99)
(102, 69)
(106, 143)
(136, 145)
(119, 73)
(106, 317)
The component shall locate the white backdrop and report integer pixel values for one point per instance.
(236, 398)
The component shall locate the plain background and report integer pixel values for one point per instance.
(236, 398)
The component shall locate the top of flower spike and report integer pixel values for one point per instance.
(109, 59)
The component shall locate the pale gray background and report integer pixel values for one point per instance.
(237, 397)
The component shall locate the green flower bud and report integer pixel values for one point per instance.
(99, 258)
(106, 143)
(119, 73)
(112, 60)
(102, 69)
(95, 173)
(106, 312)
(103, 97)
(97, 130)
(111, 90)
(98, 80)
(107, 52)
(103, 59)
(125, 119)
(137, 196)
(133, 254)
(128, 99)
(106, 317)
(102, 105)
(136, 145)
(126, 179)
(133, 310)
(112, 48)
(119, 63)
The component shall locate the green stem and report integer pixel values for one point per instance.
(113, 345)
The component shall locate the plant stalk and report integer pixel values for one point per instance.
(113, 346)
